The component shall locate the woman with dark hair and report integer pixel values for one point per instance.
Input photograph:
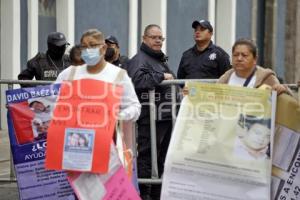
(245, 71)
(83, 141)
(75, 55)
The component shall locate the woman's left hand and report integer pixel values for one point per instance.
(279, 88)
(185, 91)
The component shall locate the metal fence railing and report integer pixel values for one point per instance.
(173, 84)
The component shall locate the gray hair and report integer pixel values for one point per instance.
(150, 26)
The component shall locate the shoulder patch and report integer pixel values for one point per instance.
(212, 56)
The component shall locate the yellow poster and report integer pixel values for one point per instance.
(286, 156)
(220, 146)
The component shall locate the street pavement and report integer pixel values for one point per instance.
(8, 188)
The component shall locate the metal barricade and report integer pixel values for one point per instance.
(10, 85)
(173, 84)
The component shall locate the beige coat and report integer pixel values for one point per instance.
(263, 76)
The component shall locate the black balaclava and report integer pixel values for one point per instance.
(56, 52)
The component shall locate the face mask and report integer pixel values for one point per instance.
(56, 52)
(110, 53)
(91, 56)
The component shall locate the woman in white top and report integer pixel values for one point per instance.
(93, 49)
(245, 71)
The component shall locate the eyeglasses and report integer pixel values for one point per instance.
(92, 46)
(153, 37)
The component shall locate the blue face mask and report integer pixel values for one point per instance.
(91, 56)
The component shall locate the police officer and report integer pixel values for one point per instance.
(47, 66)
(112, 54)
(204, 60)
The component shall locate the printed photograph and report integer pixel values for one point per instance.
(42, 117)
(79, 138)
(253, 137)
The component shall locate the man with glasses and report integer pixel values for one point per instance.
(47, 66)
(148, 68)
(204, 60)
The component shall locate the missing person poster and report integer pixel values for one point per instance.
(286, 156)
(82, 126)
(29, 114)
(221, 145)
(78, 148)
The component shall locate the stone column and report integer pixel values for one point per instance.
(225, 26)
(65, 16)
(133, 28)
(33, 28)
(10, 47)
(292, 42)
(270, 33)
(154, 12)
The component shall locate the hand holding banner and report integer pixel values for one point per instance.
(220, 146)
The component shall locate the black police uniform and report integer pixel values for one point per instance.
(47, 66)
(121, 62)
(43, 67)
(211, 63)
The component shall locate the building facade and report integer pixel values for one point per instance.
(25, 24)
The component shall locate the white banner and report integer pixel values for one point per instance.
(220, 147)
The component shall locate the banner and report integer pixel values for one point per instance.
(29, 114)
(220, 146)
(286, 159)
(82, 127)
(126, 146)
(114, 185)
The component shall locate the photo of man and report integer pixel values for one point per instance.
(42, 117)
(253, 138)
